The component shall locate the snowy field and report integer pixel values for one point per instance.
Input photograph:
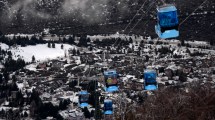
(41, 51)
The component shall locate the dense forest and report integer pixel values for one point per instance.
(64, 17)
(194, 103)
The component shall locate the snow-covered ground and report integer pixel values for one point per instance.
(19, 34)
(4, 46)
(41, 51)
(117, 35)
(32, 67)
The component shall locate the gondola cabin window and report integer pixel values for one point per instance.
(168, 19)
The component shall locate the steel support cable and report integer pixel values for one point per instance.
(144, 25)
(134, 16)
(163, 2)
(142, 16)
(138, 20)
(132, 19)
(192, 12)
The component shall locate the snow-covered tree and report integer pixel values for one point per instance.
(53, 45)
(61, 46)
(49, 44)
(33, 59)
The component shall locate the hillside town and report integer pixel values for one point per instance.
(49, 88)
(107, 60)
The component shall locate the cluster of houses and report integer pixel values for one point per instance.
(52, 78)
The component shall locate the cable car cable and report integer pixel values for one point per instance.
(163, 2)
(142, 16)
(132, 19)
(144, 25)
(134, 16)
(192, 12)
(139, 19)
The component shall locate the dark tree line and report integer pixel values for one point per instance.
(112, 41)
(11, 93)
(70, 40)
(2, 54)
(164, 50)
(40, 110)
(9, 63)
(83, 41)
(13, 65)
(23, 41)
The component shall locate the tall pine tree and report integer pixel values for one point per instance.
(33, 58)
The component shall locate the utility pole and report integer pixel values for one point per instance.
(122, 111)
(78, 81)
(123, 106)
(97, 108)
(120, 106)
(121, 103)
(95, 101)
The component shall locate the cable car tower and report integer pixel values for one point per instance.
(110, 77)
(167, 21)
(150, 82)
(83, 99)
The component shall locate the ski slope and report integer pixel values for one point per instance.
(41, 51)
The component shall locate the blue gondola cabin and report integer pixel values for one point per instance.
(167, 22)
(83, 99)
(111, 82)
(108, 107)
(150, 82)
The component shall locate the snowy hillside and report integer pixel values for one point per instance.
(41, 52)
(102, 17)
